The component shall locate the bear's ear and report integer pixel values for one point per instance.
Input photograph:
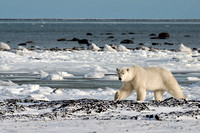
(117, 69)
(127, 70)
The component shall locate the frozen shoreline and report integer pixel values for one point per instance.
(62, 65)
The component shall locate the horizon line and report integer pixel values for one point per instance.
(164, 19)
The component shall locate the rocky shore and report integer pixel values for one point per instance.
(84, 109)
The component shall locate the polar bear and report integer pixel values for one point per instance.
(141, 79)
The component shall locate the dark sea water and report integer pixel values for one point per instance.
(46, 32)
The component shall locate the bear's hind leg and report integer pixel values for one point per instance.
(177, 93)
(158, 95)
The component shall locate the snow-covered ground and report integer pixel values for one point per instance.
(59, 65)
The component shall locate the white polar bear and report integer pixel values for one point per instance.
(151, 78)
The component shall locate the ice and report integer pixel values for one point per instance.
(94, 47)
(53, 77)
(185, 49)
(193, 78)
(122, 48)
(94, 75)
(4, 46)
(109, 48)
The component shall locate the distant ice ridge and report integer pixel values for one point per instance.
(54, 76)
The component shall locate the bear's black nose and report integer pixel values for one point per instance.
(120, 79)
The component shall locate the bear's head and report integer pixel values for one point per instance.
(124, 74)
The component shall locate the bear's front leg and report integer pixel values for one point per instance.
(141, 94)
(158, 95)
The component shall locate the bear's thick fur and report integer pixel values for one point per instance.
(141, 79)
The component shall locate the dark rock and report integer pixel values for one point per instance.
(83, 41)
(153, 34)
(195, 49)
(89, 34)
(157, 118)
(111, 37)
(62, 39)
(109, 33)
(155, 43)
(166, 43)
(163, 35)
(131, 33)
(30, 42)
(141, 44)
(187, 36)
(75, 39)
(127, 41)
(22, 44)
(123, 34)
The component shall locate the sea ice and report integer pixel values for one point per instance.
(4, 46)
(122, 48)
(185, 49)
(94, 47)
(108, 48)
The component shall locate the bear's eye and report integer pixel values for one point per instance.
(123, 73)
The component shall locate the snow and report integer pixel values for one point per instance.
(193, 78)
(101, 65)
(122, 48)
(94, 47)
(4, 46)
(185, 49)
(109, 48)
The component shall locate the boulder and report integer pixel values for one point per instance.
(155, 43)
(89, 34)
(22, 44)
(131, 33)
(30, 42)
(166, 43)
(62, 39)
(127, 41)
(111, 37)
(75, 39)
(83, 41)
(109, 33)
(160, 36)
(141, 44)
(187, 36)
(163, 35)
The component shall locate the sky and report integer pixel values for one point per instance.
(101, 9)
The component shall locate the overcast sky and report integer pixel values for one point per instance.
(130, 9)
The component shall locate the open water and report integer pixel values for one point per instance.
(45, 32)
